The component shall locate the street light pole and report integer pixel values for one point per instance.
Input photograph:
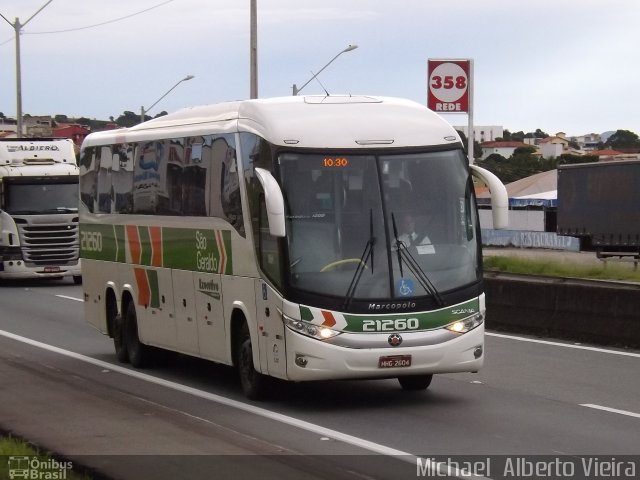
(297, 90)
(17, 26)
(142, 109)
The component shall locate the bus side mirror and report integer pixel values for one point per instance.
(274, 202)
(499, 196)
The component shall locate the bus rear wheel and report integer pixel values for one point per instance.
(139, 354)
(253, 383)
(415, 382)
(118, 339)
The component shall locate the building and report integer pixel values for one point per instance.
(74, 131)
(483, 134)
(38, 126)
(587, 142)
(505, 149)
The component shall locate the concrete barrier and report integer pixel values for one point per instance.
(606, 313)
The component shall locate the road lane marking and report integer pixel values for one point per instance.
(566, 345)
(440, 467)
(612, 410)
(311, 427)
(70, 298)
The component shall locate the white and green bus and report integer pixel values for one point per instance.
(266, 234)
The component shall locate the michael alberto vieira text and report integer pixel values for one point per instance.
(530, 467)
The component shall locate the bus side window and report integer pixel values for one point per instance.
(268, 250)
(225, 165)
(122, 177)
(89, 176)
(104, 180)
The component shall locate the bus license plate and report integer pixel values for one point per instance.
(394, 361)
(51, 269)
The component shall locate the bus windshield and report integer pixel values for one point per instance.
(391, 226)
(33, 197)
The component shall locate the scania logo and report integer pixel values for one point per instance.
(394, 340)
(391, 306)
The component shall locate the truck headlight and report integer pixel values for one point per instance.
(466, 324)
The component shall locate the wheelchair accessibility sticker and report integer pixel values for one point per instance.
(405, 287)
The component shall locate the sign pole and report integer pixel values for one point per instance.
(470, 133)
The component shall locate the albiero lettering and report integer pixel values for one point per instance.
(33, 148)
(390, 325)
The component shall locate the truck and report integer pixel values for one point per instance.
(599, 203)
(39, 231)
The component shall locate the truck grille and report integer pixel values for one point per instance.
(49, 243)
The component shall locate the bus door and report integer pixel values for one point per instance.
(210, 317)
(185, 312)
(270, 330)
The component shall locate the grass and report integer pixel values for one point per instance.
(609, 271)
(49, 466)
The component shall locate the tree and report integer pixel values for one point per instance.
(540, 134)
(624, 141)
(524, 150)
(129, 119)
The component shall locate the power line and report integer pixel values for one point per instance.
(99, 24)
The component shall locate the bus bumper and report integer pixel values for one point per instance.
(310, 359)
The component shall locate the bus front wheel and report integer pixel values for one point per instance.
(139, 354)
(253, 382)
(415, 382)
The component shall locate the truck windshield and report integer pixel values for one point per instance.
(349, 215)
(40, 198)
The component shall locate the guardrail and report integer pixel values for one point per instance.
(605, 313)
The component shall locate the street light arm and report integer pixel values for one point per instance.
(39, 10)
(5, 19)
(348, 49)
(145, 111)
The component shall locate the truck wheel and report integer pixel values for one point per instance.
(139, 354)
(118, 339)
(77, 279)
(253, 383)
(415, 382)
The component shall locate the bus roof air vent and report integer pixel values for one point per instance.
(374, 142)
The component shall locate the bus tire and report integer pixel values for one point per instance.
(253, 383)
(139, 354)
(415, 382)
(118, 339)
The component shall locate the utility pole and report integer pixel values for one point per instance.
(253, 53)
(17, 26)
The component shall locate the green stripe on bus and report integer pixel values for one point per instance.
(195, 250)
(424, 320)
(152, 276)
(145, 246)
(120, 255)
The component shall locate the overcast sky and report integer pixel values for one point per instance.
(558, 65)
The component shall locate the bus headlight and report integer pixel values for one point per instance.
(315, 331)
(466, 324)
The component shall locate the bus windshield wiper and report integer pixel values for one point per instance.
(364, 258)
(414, 267)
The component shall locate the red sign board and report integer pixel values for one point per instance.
(449, 81)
